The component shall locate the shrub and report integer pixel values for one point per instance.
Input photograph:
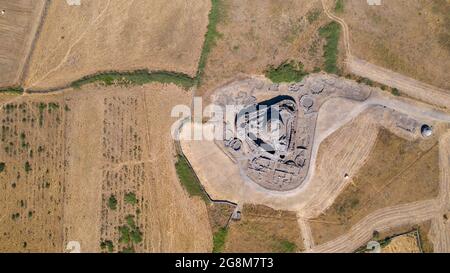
(287, 72)
(130, 198)
(112, 202)
(331, 32)
(339, 7)
(395, 92)
(108, 245)
(27, 167)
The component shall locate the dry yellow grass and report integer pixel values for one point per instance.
(394, 167)
(32, 181)
(117, 35)
(257, 33)
(18, 26)
(407, 243)
(263, 229)
(411, 37)
(107, 141)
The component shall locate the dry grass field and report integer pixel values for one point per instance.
(117, 35)
(397, 172)
(96, 166)
(32, 175)
(407, 243)
(18, 25)
(411, 37)
(404, 239)
(258, 33)
(263, 229)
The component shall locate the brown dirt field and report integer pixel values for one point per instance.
(117, 35)
(32, 183)
(106, 141)
(258, 33)
(17, 29)
(397, 172)
(411, 37)
(263, 229)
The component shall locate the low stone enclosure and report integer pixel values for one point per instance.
(271, 135)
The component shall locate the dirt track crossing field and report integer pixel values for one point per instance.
(411, 87)
(18, 26)
(117, 35)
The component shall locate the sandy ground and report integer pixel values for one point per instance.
(117, 35)
(18, 27)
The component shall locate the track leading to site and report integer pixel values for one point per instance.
(411, 87)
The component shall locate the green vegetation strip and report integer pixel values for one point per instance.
(339, 7)
(12, 90)
(139, 77)
(188, 178)
(219, 240)
(287, 72)
(331, 33)
(215, 15)
(285, 246)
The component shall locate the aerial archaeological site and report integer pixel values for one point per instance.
(225, 126)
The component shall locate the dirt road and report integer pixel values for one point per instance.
(407, 214)
(381, 220)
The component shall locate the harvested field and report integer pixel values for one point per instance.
(397, 172)
(18, 26)
(411, 37)
(143, 206)
(263, 229)
(117, 35)
(253, 35)
(404, 239)
(403, 244)
(100, 171)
